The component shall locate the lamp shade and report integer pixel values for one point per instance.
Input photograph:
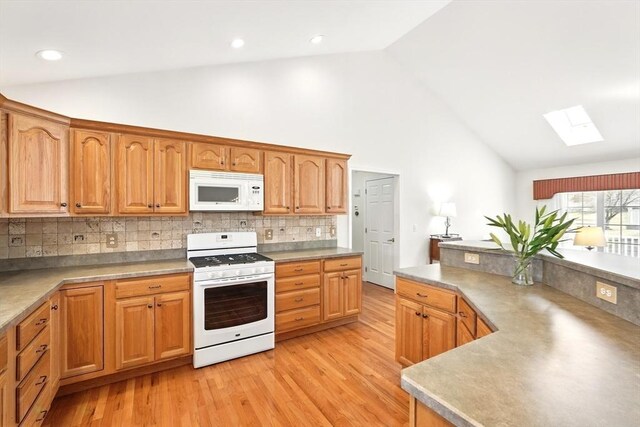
(447, 209)
(590, 236)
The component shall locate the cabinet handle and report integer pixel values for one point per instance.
(42, 348)
(54, 307)
(299, 299)
(149, 305)
(41, 322)
(462, 314)
(63, 204)
(418, 313)
(426, 316)
(299, 319)
(299, 283)
(298, 269)
(421, 295)
(43, 415)
(43, 379)
(343, 265)
(78, 205)
(155, 286)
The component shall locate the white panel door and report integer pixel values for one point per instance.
(379, 238)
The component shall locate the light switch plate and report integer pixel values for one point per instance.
(318, 231)
(471, 258)
(332, 231)
(607, 292)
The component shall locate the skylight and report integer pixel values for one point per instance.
(574, 126)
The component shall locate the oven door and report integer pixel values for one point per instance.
(233, 310)
(217, 195)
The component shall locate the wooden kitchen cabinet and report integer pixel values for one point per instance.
(333, 296)
(308, 184)
(37, 164)
(81, 330)
(278, 182)
(246, 160)
(172, 325)
(134, 166)
(54, 306)
(90, 172)
(134, 332)
(409, 335)
(342, 288)
(438, 332)
(170, 177)
(463, 334)
(336, 186)
(207, 156)
(4, 393)
(482, 329)
(297, 295)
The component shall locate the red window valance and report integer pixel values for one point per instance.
(546, 188)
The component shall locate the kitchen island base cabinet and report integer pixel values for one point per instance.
(422, 416)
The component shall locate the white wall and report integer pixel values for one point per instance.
(363, 104)
(524, 181)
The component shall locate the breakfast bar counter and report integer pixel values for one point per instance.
(553, 361)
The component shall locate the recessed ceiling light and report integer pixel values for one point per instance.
(574, 126)
(49, 55)
(316, 39)
(237, 43)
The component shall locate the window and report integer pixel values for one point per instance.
(616, 211)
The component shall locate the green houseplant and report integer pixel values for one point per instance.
(527, 243)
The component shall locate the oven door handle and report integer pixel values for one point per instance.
(234, 281)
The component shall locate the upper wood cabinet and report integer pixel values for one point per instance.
(81, 330)
(278, 179)
(90, 172)
(152, 176)
(170, 177)
(134, 166)
(336, 188)
(37, 163)
(219, 157)
(308, 184)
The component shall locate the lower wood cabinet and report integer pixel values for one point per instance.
(152, 328)
(342, 294)
(81, 330)
(3, 399)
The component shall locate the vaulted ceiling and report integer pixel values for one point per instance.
(500, 65)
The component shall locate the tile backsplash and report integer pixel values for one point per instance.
(37, 237)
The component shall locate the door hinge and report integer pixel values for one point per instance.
(366, 269)
(365, 191)
(365, 229)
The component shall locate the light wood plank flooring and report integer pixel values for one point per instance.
(339, 377)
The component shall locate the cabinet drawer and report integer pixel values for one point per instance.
(297, 299)
(28, 390)
(4, 355)
(299, 318)
(467, 315)
(297, 283)
(32, 325)
(339, 264)
(426, 294)
(39, 409)
(297, 268)
(32, 353)
(152, 285)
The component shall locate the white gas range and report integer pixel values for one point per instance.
(233, 297)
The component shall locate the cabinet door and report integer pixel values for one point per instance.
(352, 282)
(333, 296)
(245, 160)
(408, 331)
(134, 332)
(54, 304)
(172, 325)
(90, 172)
(463, 335)
(4, 397)
(337, 176)
(170, 177)
(208, 156)
(308, 184)
(81, 331)
(37, 165)
(439, 332)
(134, 169)
(277, 182)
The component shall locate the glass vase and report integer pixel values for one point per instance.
(522, 272)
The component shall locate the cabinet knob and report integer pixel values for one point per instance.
(426, 316)
(222, 162)
(54, 307)
(149, 305)
(328, 207)
(288, 208)
(63, 204)
(418, 313)
(78, 205)
(462, 314)
(149, 205)
(157, 205)
(297, 207)
(159, 304)
(233, 164)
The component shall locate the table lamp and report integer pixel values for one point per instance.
(591, 237)
(447, 210)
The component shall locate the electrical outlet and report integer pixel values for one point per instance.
(607, 292)
(318, 231)
(112, 240)
(332, 231)
(243, 224)
(471, 258)
(268, 234)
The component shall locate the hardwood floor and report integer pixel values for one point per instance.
(339, 377)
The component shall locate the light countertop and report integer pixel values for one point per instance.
(554, 361)
(309, 254)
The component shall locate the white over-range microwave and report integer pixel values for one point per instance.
(225, 191)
